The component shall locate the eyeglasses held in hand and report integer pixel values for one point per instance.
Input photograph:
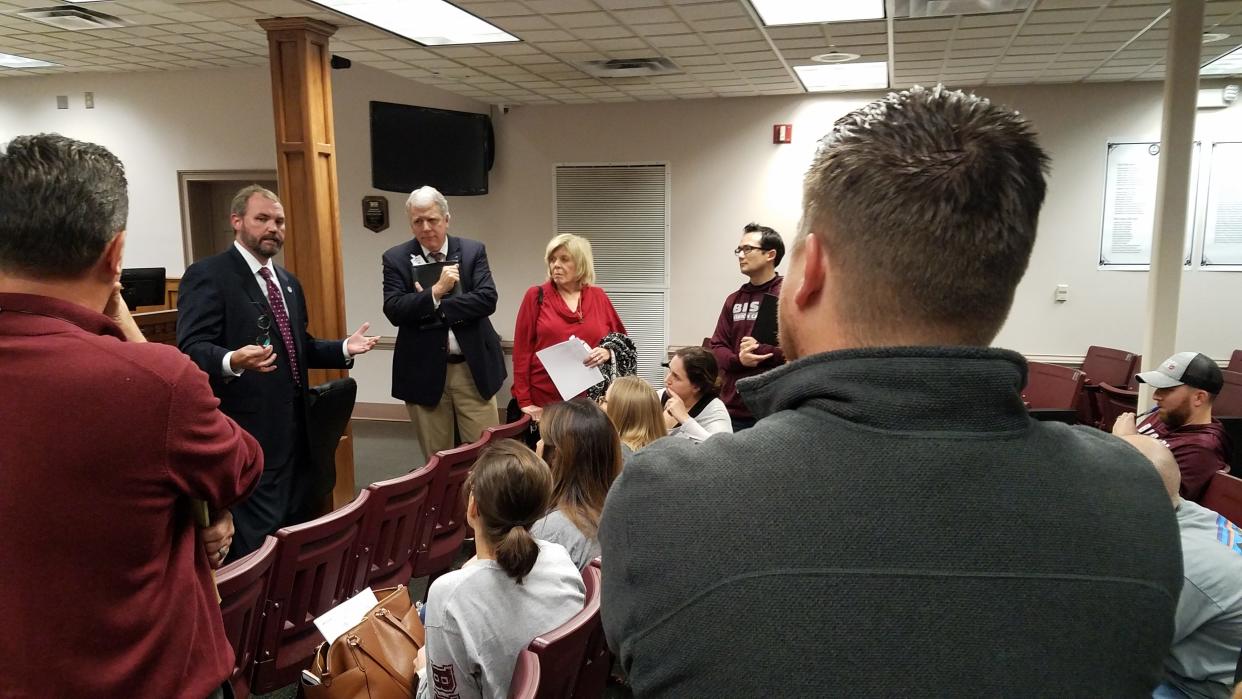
(264, 338)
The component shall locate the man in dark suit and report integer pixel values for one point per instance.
(448, 365)
(243, 320)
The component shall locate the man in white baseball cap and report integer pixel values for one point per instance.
(1186, 384)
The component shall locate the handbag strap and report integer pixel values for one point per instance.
(379, 658)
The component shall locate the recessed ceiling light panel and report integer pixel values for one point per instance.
(1228, 64)
(429, 22)
(844, 77)
(8, 60)
(952, 8)
(780, 12)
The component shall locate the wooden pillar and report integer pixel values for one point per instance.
(1177, 135)
(306, 173)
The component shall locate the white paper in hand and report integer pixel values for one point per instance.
(345, 615)
(564, 365)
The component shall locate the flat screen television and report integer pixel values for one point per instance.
(142, 286)
(416, 146)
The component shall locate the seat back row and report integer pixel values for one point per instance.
(394, 530)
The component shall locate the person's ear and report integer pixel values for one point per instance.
(814, 278)
(113, 257)
(236, 222)
(472, 510)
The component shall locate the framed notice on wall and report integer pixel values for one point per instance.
(1222, 232)
(1130, 205)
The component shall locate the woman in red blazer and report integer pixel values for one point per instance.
(568, 303)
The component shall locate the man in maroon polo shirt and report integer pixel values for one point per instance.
(105, 582)
(1186, 384)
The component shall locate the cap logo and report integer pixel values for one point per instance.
(1170, 366)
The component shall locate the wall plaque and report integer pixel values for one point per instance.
(375, 213)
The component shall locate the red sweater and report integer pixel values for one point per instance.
(541, 325)
(105, 590)
(737, 320)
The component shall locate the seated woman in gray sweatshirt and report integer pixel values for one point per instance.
(584, 452)
(480, 617)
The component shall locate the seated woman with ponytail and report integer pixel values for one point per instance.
(582, 448)
(480, 617)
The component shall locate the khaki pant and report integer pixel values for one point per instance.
(434, 426)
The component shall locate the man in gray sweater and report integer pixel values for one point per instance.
(896, 524)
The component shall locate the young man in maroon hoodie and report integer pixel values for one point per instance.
(738, 354)
(1186, 384)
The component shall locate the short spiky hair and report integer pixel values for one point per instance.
(927, 201)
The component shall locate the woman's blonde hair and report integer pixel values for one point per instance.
(579, 250)
(634, 408)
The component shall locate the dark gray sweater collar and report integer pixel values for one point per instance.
(970, 389)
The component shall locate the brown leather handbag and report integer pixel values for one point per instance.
(375, 659)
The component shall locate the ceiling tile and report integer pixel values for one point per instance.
(621, 45)
(576, 20)
(593, 33)
(545, 35)
(558, 6)
(660, 29)
(527, 24)
(652, 15)
(711, 10)
(714, 25)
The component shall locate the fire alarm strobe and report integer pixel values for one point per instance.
(782, 133)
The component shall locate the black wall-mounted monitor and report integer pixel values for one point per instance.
(143, 286)
(416, 146)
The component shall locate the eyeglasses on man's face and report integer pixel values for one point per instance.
(746, 249)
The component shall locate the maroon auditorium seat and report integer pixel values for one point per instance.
(243, 586)
(1104, 365)
(1114, 401)
(1224, 495)
(447, 509)
(1229, 400)
(395, 529)
(597, 661)
(1235, 361)
(562, 651)
(316, 566)
(1054, 389)
(525, 684)
(510, 430)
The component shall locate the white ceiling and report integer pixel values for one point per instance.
(720, 45)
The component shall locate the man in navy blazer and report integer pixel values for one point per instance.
(228, 324)
(448, 365)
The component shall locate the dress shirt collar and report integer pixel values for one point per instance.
(443, 250)
(252, 261)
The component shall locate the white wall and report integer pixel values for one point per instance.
(157, 123)
(724, 172)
